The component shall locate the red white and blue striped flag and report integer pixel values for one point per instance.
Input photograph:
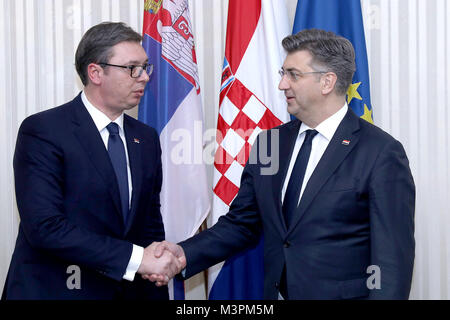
(249, 103)
(172, 105)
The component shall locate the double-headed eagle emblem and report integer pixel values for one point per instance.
(177, 39)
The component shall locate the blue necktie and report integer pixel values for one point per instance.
(295, 182)
(118, 158)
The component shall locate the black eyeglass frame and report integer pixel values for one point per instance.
(131, 68)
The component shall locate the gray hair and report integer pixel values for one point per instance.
(328, 50)
(96, 45)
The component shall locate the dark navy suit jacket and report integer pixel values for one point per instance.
(69, 205)
(357, 211)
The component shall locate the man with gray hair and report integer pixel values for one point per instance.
(88, 179)
(338, 216)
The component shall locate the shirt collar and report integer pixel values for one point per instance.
(328, 127)
(101, 120)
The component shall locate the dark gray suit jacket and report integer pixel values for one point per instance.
(357, 211)
(69, 205)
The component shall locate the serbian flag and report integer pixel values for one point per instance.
(344, 18)
(249, 103)
(172, 105)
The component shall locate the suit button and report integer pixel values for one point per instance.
(277, 285)
(287, 244)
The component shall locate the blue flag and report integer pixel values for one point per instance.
(344, 18)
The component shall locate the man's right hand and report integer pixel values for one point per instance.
(162, 264)
(161, 250)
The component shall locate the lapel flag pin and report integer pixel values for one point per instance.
(136, 140)
(345, 142)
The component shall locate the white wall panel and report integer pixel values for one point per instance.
(446, 146)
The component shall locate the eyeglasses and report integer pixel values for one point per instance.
(295, 75)
(135, 71)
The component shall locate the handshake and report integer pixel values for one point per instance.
(161, 262)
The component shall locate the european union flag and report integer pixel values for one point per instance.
(342, 17)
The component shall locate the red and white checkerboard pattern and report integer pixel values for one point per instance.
(242, 116)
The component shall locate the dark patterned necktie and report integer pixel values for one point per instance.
(296, 180)
(118, 158)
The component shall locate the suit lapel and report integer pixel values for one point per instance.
(134, 156)
(333, 156)
(91, 141)
(287, 138)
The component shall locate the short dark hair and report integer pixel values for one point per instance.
(96, 45)
(328, 50)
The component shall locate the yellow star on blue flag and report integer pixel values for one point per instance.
(367, 114)
(353, 92)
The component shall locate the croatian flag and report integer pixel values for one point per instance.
(249, 103)
(172, 105)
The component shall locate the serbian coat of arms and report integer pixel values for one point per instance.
(168, 22)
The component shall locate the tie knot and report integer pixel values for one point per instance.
(310, 134)
(113, 128)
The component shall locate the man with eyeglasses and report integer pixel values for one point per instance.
(88, 179)
(338, 215)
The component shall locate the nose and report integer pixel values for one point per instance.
(143, 77)
(146, 76)
(284, 84)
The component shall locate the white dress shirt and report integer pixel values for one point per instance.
(101, 121)
(326, 130)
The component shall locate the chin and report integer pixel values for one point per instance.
(133, 104)
(292, 109)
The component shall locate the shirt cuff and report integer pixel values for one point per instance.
(135, 262)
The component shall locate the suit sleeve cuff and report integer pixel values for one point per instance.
(134, 263)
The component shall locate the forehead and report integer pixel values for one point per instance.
(127, 52)
(297, 60)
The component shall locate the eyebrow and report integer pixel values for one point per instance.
(137, 62)
(291, 69)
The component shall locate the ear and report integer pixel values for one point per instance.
(328, 82)
(95, 73)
